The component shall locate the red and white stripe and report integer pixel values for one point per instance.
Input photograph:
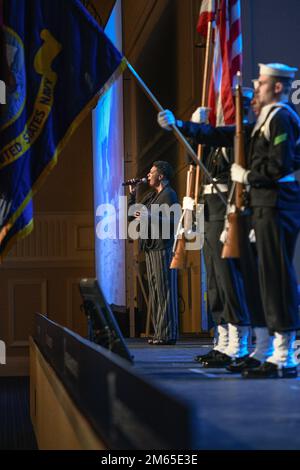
(207, 13)
(227, 61)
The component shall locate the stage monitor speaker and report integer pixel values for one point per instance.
(103, 329)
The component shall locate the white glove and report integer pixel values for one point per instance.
(252, 236)
(223, 236)
(188, 203)
(200, 115)
(239, 174)
(166, 119)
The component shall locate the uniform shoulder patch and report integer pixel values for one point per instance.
(280, 138)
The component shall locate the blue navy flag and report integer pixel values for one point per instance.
(57, 63)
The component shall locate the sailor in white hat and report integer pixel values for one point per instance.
(277, 70)
(275, 82)
(275, 200)
(232, 286)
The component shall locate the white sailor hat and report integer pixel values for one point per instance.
(277, 70)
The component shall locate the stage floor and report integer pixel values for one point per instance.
(233, 413)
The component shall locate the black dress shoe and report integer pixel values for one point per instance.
(242, 363)
(203, 357)
(219, 361)
(267, 370)
(164, 342)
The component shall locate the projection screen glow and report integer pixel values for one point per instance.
(108, 154)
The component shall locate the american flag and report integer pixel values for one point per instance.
(227, 60)
(207, 14)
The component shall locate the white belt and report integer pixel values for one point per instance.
(209, 189)
(287, 179)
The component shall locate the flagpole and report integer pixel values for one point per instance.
(204, 99)
(179, 136)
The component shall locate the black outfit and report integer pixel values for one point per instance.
(225, 288)
(275, 206)
(276, 218)
(162, 280)
(233, 289)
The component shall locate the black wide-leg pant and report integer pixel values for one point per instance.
(162, 294)
(226, 292)
(276, 235)
(247, 263)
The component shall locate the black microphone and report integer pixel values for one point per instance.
(134, 181)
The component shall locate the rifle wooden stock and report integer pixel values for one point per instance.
(179, 260)
(231, 248)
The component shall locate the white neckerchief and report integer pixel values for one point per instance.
(265, 121)
(224, 153)
(263, 116)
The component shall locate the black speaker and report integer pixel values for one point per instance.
(102, 326)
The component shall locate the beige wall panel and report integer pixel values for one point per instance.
(36, 273)
(64, 237)
(25, 297)
(139, 18)
(69, 187)
(189, 59)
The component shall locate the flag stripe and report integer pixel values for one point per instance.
(235, 11)
(207, 14)
(236, 48)
(226, 63)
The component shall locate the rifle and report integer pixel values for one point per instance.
(231, 248)
(185, 223)
(185, 226)
(179, 136)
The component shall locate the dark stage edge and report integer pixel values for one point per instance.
(233, 413)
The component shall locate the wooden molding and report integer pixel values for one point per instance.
(12, 300)
(57, 237)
